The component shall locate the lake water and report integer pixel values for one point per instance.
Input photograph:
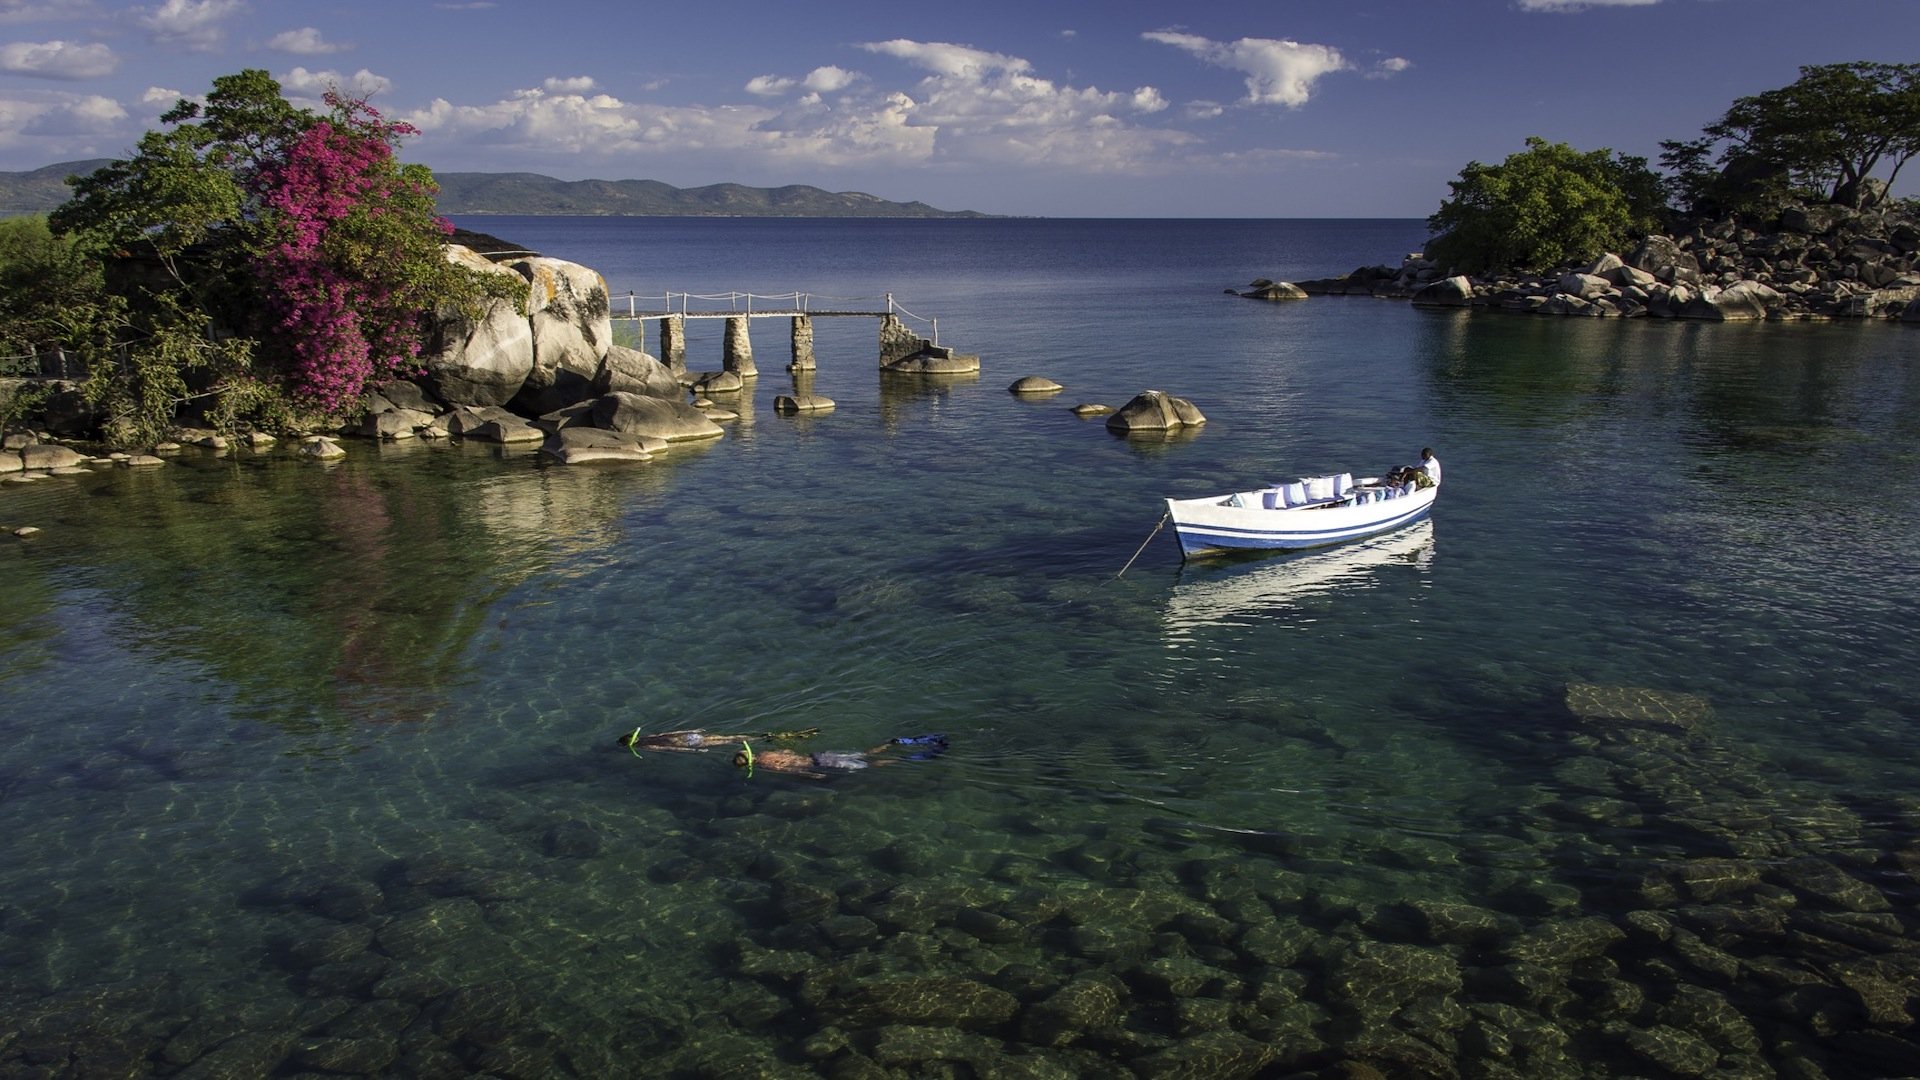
(1606, 770)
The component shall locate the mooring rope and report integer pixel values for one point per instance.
(1143, 544)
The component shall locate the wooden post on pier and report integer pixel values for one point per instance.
(802, 344)
(737, 355)
(673, 343)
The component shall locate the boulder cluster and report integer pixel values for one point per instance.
(1814, 262)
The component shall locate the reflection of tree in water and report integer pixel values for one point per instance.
(333, 595)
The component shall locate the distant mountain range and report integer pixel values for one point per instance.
(41, 190)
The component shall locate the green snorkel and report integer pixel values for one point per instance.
(746, 751)
(633, 742)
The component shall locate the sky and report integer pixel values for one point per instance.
(1060, 108)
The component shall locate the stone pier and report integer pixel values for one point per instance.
(802, 344)
(673, 344)
(897, 342)
(737, 355)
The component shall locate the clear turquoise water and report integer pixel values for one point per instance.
(311, 768)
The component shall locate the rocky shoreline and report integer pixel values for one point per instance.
(1812, 263)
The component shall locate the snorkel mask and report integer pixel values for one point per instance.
(744, 759)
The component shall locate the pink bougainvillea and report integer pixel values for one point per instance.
(336, 209)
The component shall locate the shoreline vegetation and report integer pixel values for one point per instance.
(1808, 263)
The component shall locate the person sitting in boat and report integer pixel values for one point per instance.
(1425, 474)
(798, 763)
(691, 740)
(1430, 466)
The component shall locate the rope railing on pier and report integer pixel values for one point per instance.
(798, 301)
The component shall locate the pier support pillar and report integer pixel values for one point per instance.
(737, 356)
(802, 343)
(673, 344)
(897, 342)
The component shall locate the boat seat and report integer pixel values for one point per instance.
(1294, 494)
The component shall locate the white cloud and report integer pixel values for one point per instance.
(821, 80)
(829, 79)
(987, 107)
(305, 87)
(50, 122)
(57, 60)
(961, 107)
(1388, 68)
(192, 24)
(305, 41)
(160, 95)
(1279, 72)
(1564, 6)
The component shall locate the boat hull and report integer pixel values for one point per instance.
(1211, 526)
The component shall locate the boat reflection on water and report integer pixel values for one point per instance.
(1220, 594)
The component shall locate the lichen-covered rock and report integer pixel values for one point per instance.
(1742, 301)
(51, 456)
(510, 432)
(1155, 411)
(672, 421)
(484, 358)
(322, 449)
(719, 382)
(630, 371)
(1456, 291)
(572, 327)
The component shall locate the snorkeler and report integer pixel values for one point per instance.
(693, 739)
(796, 763)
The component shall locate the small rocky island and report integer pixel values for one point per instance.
(540, 370)
(1813, 263)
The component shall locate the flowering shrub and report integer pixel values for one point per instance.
(336, 206)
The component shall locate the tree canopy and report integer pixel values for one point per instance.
(273, 261)
(1823, 136)
(1546, 206)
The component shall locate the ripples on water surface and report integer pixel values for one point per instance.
(311, 768)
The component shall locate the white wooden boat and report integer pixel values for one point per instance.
(1308, 512)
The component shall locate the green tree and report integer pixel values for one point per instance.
(51, 296)
(1823, 136)
(1544, 207)
(194, 230)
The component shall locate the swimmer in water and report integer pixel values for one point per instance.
(693, 740)
(796, 763)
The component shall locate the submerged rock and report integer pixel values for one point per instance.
(1035, 384)
(1637, 705)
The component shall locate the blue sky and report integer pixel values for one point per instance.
(1227, 108)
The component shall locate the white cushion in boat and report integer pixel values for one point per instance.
(1272, 498)
(1295, 494)
(1318, 487)
(1342, 483)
